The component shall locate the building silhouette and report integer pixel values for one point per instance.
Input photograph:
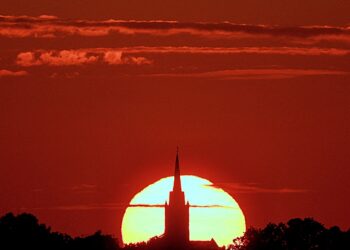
(177, 219)
(177, 212)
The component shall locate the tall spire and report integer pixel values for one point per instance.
(177, 213)
(177, 179)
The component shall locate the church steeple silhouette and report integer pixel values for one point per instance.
(177, 179)
(177, 230)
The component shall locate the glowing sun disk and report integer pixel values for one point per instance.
(214, 214)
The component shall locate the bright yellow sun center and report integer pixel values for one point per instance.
(214, 214)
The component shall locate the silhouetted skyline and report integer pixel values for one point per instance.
(24, 231)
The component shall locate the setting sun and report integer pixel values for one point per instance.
(214, 214)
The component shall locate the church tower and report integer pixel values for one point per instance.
(177, 225)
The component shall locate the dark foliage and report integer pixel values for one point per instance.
(24, 232)
(297, 234)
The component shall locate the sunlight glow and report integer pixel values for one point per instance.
(217, 216)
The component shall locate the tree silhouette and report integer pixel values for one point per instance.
(24, 232)
(297, 234)
(96, 241)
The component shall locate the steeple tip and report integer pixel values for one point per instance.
(177, 162)
(177, 179)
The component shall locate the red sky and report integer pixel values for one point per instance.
(96, 95)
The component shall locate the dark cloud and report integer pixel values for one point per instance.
(50, 26)
(114, 206)
(249, 74)
(254, 188)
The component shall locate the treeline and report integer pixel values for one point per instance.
(24, 232)
(297, 234)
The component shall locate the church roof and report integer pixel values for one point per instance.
(203, 244)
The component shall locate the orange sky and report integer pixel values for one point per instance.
(93, 105)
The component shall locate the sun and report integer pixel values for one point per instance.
(214, 214)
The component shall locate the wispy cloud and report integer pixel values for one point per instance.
(177, 57)
(76, 57)
(251, 74)
(132, 55)
(95, 206)
(84, 188)
(115, 206)
(60, 58)
(310, 51)
(254, 188)
(115, 57)
(191, 205)
(5, 72)
(49, 26)
(68, 75)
